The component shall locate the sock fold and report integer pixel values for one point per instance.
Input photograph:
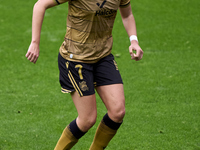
(105, 132)
(113, 125)
(75, 130)
(69, 137)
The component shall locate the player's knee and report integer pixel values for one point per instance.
(87, 123)
(118, 114)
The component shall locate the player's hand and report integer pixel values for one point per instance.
(33, 52)
(135, 47)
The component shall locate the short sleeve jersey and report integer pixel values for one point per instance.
(89, 29)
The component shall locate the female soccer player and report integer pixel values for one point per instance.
(86, 63)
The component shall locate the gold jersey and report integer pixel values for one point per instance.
(89, 29)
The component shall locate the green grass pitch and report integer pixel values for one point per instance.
(162, 90)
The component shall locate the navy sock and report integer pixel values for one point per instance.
(75, 130)
(111, 124)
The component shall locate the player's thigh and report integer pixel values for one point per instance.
(85, 105)
(87, 111)
(114, 100)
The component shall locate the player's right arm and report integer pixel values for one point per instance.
(37, 19)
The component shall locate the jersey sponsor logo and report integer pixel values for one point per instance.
(101, 6)
(103, 11)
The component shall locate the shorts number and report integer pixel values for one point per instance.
(79, 71)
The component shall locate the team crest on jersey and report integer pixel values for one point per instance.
(83, 86)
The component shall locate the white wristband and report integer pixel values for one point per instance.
(133, 37)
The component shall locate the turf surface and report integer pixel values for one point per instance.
(162, 90)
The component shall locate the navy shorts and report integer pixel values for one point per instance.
(83, 77)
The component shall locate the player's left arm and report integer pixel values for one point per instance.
(130, 26)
